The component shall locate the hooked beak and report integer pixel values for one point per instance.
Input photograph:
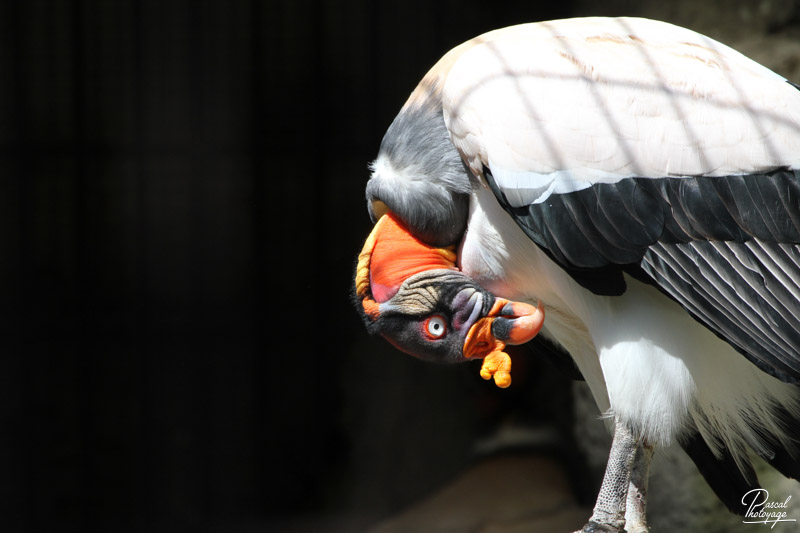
(506, 323)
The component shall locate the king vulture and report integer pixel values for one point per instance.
(628, 189)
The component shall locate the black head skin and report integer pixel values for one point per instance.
(430, 315)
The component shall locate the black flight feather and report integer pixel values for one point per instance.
(721, 473)
(725, 248)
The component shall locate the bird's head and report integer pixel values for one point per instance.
(413, 295)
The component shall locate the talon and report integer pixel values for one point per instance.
(595, 527)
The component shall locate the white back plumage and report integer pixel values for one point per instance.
(557, 106)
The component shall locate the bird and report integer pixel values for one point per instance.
(627, 190)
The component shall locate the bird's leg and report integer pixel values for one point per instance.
(609, 511)
(636, 510)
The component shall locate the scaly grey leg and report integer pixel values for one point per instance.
(609, 511)
(636, 510)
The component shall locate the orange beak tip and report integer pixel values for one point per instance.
(526, 322)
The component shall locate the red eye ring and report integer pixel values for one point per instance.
(435, 327)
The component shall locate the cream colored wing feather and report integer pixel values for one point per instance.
(558, 106)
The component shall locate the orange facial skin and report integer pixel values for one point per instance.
(413, 295)
(391, 255)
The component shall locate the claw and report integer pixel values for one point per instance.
(594, 527)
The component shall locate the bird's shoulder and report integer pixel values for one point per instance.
(559, 106)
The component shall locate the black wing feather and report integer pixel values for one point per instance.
(721, 473)
(543, 228)
(726, 248)
(784, 458)
(709, 280)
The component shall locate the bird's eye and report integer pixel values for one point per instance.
(435, 327)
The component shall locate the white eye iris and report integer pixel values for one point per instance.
(436, 327)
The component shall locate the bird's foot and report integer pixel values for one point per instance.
(639, 528)
(596, 527)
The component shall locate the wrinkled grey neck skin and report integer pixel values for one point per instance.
(420, 176)
(447, 294)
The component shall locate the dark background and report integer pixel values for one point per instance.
(181, 203)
